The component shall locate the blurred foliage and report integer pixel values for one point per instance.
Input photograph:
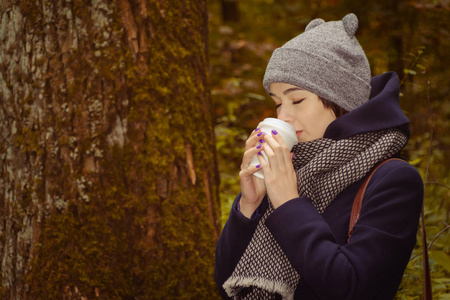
(409, 37)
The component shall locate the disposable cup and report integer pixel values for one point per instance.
(287, 132)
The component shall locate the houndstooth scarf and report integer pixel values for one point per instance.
(324, 168)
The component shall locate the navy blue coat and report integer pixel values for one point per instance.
(371, 265)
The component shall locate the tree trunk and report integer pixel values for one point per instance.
(230, 10)
(108, 182)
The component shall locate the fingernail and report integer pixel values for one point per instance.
(261, 141)
(293, 155)
(258, 147)
(259, 134)
(259, 153)
(256, 129)
(258, 166)
(274, 132)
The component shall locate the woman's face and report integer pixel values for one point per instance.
(302, 109)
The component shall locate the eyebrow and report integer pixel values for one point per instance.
(290, 90)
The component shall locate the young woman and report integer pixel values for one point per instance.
(286, 236)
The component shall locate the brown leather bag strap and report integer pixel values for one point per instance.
(356, 211)
(357, 203)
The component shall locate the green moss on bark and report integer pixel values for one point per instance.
(139, 226)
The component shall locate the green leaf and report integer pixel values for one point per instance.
(256, 96)
(422, 67)
(415, 161)
(409, 71)
(444, 297)
(441, 258)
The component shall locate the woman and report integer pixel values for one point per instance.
(286, 236)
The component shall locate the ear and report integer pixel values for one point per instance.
(314, 23)
(350, 22)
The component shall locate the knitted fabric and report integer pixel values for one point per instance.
(326, 60)
(324, 168)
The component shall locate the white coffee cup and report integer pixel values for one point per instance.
(287, 132)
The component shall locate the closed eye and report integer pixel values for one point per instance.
(298, 101)
(293, 102)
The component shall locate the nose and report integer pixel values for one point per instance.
(284, 114)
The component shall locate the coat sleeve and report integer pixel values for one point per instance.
(233, 241)
(379, 248)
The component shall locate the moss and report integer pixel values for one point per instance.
(145, 231)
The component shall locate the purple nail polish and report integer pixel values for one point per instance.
(261, 141)
(259, 153)
(256, 129)
(258, 166)
(274, 132)
(259, 134)
(258, 147)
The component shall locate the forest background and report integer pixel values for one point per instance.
(411, 38)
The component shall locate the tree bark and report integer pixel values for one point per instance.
(108, 182)
(230, 10)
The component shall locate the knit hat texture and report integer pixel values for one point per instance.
(326, 60)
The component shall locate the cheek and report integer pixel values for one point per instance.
(325, 118)
(317, 121)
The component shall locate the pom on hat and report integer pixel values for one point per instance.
(326, 60)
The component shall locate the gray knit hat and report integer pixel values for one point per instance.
(326, 60)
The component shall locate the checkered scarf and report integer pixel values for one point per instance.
(324, 168)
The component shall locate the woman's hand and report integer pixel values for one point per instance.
(253, 188)
(279, 175)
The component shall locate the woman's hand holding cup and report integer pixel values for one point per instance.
(267, 150)
(253, 188)
(279, 175)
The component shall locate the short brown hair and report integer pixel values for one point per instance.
(337, 110)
